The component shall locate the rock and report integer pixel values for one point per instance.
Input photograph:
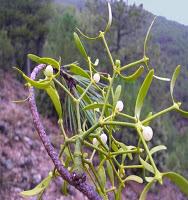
(37, 178)
(7, 163)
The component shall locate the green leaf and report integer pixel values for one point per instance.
(156, 149)
(149, 179)
(161, 78)
(173, 80)
(182, 112)
(117, 94)
(102, 176)
(145, 191)
(34, 58)
(109, 18)
(110, 172)
(146, 165)
(135, 75)
(38, 189)
(143, 92)
(114, 146)
(53, 94)
(50, 61)
(179, 180)
(134, 178)
(80, 46)
(96, 105)
(147, 35)
(38, 84)
(78, 71)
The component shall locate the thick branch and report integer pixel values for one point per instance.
(71, 178)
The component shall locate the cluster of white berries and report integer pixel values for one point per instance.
(147, 133)
(48, 71)
(119, 106)
(103, 137)
(96, 77)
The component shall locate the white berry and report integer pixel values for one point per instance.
(104, 138)
(96, 77)
(147, 133)
(119, 106)
(48, 71)
(95, 142)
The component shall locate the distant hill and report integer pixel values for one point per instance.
(77, 3)
(167, 46)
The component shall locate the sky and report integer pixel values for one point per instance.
(176, 10)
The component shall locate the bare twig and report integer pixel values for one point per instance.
(79, 182)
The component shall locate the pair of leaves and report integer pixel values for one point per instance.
(49, 87)
(43, 83)
(46, 60)
(177, 179)
(37, 84)
(39, 188)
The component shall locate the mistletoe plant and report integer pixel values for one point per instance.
(94, 113)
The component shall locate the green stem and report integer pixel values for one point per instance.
(78, 167)
(132, 166)
(108, 94)
(92, 155)
(91, 177)
(96, 148)
(90, 67)
(85, 91)
(147, 150)
(78, 116)
(90, 130)
(65, 89)
(124, 152)
(133, 64)
(107, 49)
(127, 116)
(97, 179)
(113, 167)
(60, 122)
(173, 107)
(118, 123)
